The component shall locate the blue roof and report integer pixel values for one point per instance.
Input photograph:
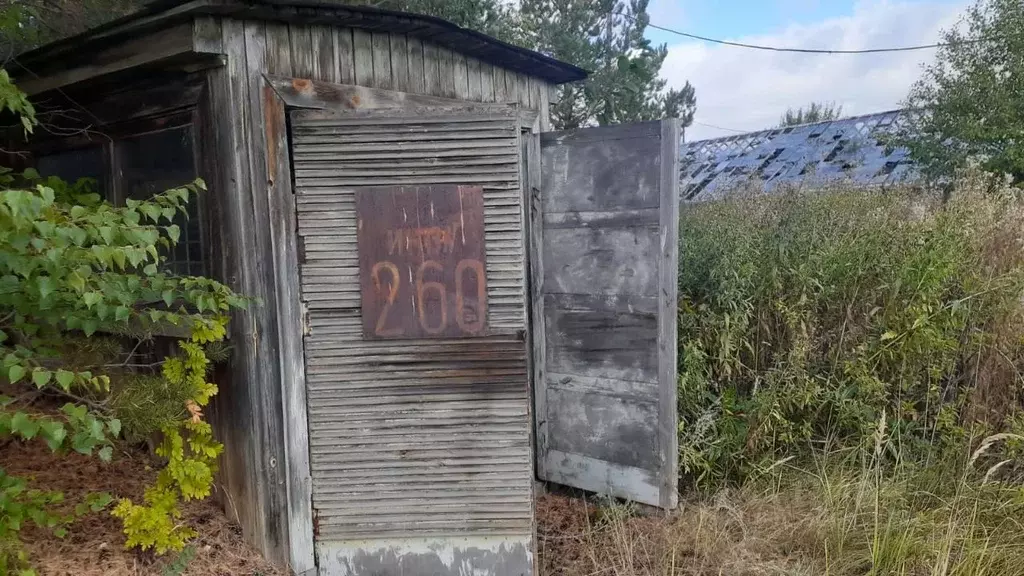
(846, 150)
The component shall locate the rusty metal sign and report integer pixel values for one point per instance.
(421, 261)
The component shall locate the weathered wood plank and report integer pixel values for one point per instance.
(475, 91)
(535, 258)
(601, 261)
(382, 77)
(304, 56)
(599, 476)
(544, 108)
(345, 52)
(206, 35)
(325, 61)
(302, 93)
(431, 69)
(414, 52)
(536, 86)
(446, 73)
(400, 63)
(649, 217)
(511, 87)
(279, 49)
(500, 91)
(461, 69)
(281, 203)
(255, 282)
(161, 45)
(668, 302)
(602, 160)
(523, 90)
(602, 342)
(239, 469)
(486, 82)
(604, 427)
(362, 45)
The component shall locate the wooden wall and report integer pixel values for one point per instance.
(265, 470)
(393, 62)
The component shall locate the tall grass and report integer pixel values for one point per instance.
(848, 513)
(806, 317)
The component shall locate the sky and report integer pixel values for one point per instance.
(741, 90)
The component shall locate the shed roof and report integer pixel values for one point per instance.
(163, 13)
(849, 150)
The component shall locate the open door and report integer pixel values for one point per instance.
(604, 243)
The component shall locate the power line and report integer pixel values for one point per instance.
(796, 50)
(706, 125)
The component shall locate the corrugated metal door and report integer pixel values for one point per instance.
(605, 259)
(420, 449)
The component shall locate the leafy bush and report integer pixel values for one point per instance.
(82, 287)
(805, 318)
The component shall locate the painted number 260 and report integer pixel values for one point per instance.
(386, 277)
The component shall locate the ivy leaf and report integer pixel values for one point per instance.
(15, 373)
(91, 298)
(152, 211)
(46, 286)
(173, 232)
(54, 433)
(41, 377)
(24, 425)
(122, 313)
(114, 426)
(106, 453)
(65, 378)
(107, 233)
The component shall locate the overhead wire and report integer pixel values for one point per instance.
(795, 50)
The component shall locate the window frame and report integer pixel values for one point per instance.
(109, 139)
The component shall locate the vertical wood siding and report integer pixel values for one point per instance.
(395, 62)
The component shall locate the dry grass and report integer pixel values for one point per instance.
(830, 520)
(734, 534)
(95, 544)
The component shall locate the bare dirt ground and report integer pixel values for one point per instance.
(95, 544)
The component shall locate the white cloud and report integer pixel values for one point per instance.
(748, 90)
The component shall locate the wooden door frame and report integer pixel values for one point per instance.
(281, 95)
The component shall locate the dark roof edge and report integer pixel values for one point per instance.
(430, 28)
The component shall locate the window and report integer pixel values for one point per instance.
(146, 164)
(70, 165)
(151, 163)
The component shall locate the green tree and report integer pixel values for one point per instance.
(29, 23)
(607, 38)
(969, 104)
(814, 112)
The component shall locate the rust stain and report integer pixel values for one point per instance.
(316, 523)
(273, 120)
(302, 85)
(355, 101)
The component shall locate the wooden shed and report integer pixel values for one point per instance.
(455, 303)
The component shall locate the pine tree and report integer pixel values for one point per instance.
(605, 37)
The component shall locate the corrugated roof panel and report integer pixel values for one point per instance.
(807, 155)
